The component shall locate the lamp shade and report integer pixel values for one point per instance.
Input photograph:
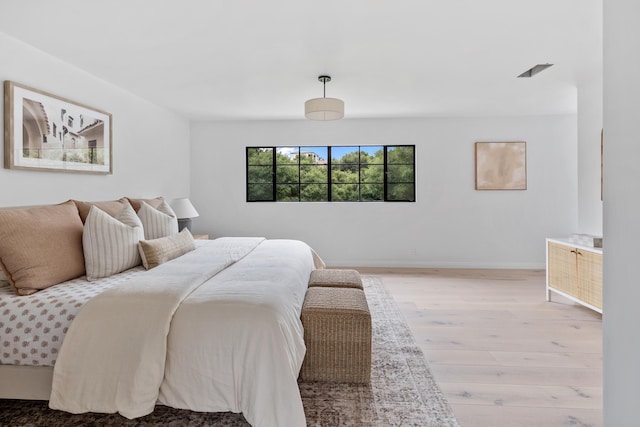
(324, 109)
(183, 208)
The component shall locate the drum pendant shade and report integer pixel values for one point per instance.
(324, 108)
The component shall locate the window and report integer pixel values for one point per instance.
(335, 174)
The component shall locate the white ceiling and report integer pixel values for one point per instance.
(251, 59)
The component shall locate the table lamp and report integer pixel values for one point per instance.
(184, 212)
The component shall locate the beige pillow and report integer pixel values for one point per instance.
(41, 246)
(160, 222)
(112, 207)
(111, 244)
(157, 251)
(137, 203)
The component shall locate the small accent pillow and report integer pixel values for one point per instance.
(112, 207)
(158, 222)
(41, 246)
(111, 244)
(158, 251)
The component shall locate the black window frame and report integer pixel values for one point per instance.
(273, 182)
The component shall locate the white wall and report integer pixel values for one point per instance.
(451, 224)
(589, 158)
(621, 213)
(150, 144)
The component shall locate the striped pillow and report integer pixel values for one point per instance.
(111, 244)
(158, 222)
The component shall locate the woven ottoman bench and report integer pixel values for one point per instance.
(337, 333)
(336, 278)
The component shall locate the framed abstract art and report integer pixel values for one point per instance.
(501, 165)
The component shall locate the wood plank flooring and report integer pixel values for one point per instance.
(502, 355)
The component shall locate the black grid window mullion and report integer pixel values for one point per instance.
(413, 175)
(384, 174)
(246, 154)
(329, 166)
(359, 177)
(299, 174)
(273, 174)
(249, 183)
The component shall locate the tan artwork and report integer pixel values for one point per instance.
(501, 166)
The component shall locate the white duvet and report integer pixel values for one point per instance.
(217, 329)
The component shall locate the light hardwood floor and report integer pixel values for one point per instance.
(502, 355)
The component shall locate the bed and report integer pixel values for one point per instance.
(214, 329)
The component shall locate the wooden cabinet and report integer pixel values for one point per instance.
(575, 272)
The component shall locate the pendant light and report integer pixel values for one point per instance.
(324, 108)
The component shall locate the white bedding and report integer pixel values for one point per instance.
(235, 341)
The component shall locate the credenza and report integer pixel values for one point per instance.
(575, 271)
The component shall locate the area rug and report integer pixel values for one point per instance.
(402, 392)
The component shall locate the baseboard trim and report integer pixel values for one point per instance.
(435, 264)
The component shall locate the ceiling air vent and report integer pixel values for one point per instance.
(535, 70)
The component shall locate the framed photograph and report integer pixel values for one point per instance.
(49, 133)
(501, 165)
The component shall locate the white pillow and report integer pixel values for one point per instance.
(110, 244)
(158, 222)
